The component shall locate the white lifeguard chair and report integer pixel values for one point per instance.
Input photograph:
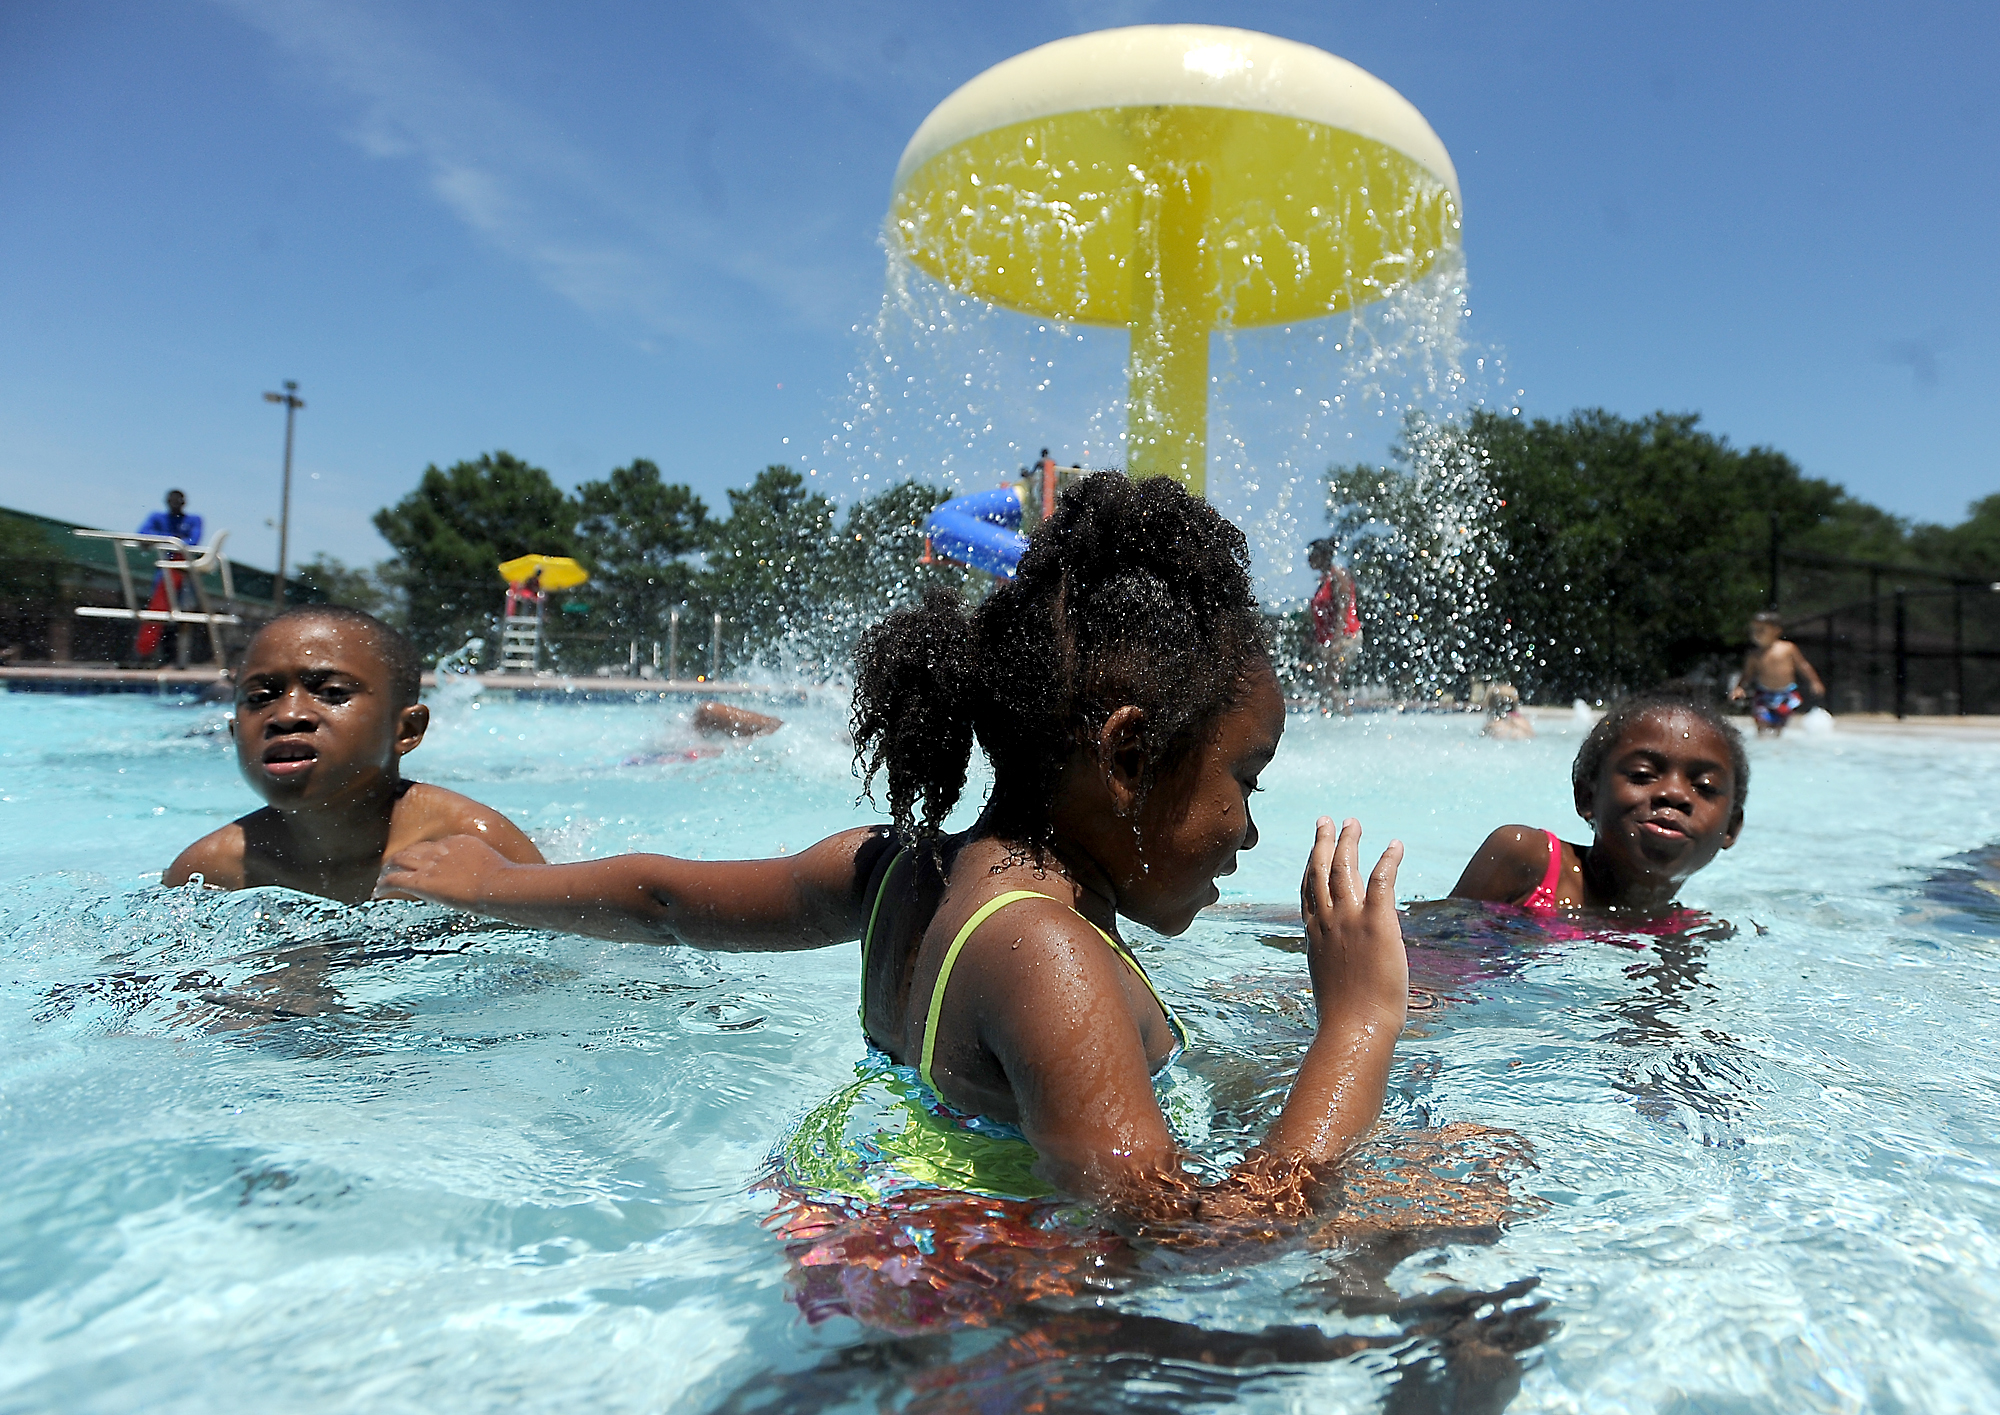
(175, 557)
(530, 578)
(521, 631)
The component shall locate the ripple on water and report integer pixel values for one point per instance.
(264, 1149)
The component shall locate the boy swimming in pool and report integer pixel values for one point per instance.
(1771, 673)
(1121, 687)
(1661, 779)
(326, 709)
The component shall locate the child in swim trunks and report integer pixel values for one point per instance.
(1662, 780)
(1121, 688)
(326, 709)
(1771, 673)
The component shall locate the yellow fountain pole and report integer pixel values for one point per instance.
(1173, 304)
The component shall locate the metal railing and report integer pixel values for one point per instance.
(180, 563)
(1909, 651)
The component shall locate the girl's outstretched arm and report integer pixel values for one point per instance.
(808, 900)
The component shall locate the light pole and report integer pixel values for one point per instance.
(290, 398)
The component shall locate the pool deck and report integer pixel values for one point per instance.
(551, 687)
(1858, 724)
(212, 682)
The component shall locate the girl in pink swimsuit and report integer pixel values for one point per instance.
(1661, 780)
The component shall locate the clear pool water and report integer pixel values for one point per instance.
(258, 1151)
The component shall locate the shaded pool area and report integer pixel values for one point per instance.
(263, 1150)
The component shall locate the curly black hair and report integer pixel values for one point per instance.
(1132, 593)
(1605, 736)
(399, 655)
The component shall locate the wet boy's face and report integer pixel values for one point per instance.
(1763, 635)
(315, 719)
(1664, 802)
(1197, 819)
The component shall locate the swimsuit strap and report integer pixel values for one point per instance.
(868, 935)
(1547, 892)
(980, 916)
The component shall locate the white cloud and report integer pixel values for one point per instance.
(525, 188)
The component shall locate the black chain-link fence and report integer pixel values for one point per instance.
(1911, 652)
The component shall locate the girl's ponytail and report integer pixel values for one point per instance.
(1130, 593)
(915, 691)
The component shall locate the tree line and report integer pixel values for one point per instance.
(1597, 553)
(793, 579)
(1576, 557)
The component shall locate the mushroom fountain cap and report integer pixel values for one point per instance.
(1175, 179)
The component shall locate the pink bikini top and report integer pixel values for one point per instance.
(1546, 894)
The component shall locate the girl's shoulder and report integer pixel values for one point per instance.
(1003, 915)
(1507, 867)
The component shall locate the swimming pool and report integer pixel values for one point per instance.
(258, 1150)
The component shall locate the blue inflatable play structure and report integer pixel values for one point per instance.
(982, 530)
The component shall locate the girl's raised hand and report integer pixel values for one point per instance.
(1361, 985)
(1354, 941)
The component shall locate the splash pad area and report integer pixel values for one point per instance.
(1182, 250)
(258, 1150)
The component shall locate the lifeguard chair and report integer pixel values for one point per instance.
(175, 558)
(530, 580)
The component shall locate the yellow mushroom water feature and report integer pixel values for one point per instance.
(1177, 180)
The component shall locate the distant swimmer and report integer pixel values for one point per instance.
(1771, 673)
(1661, 780)
(713, 719)
(1336, 621)
(326, 709)
(1505, 721)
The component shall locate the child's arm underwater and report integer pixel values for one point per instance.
(1082, 1086)
(808, 900)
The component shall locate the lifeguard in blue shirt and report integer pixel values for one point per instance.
(167, 587)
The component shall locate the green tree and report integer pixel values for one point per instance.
(371, 590)
(1971, 547)
(1629, 552)
(1422, 544)
(454, 530)
(876, 563)
(634, 534)
(31, 563)
(1636, 550)
(768, 567)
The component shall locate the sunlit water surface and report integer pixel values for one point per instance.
(259, 1151)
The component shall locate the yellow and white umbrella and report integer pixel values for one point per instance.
(559, 572)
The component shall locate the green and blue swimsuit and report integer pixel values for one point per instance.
(891, 1131)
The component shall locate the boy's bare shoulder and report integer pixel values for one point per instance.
(428, 812)
(217, 857)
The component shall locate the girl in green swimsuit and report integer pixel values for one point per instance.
(1121, 688)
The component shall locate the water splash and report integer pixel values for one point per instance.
(1423, 545)
(960, 393)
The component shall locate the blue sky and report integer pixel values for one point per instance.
(585, 233)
